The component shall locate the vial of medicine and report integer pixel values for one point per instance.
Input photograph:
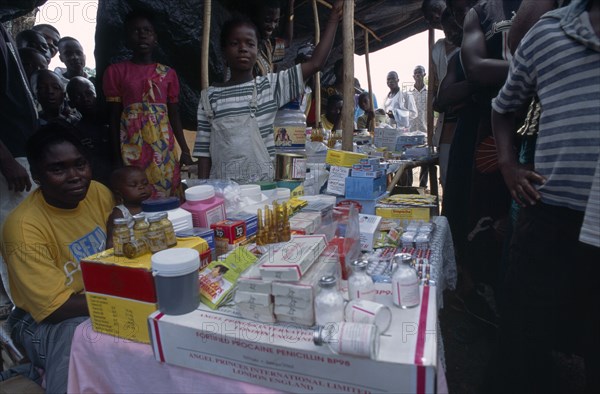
(329, 303)
(140, 226)
(168, 229)
(405, 283)
(360, 284)
(361, 340)
(157, 240)
(135, 248)
(121, 235)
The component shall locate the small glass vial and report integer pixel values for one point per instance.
(155, 236)
(329, 303)
(405, 283)
(140, 226)
(121, 235)
(359, 339)
(168, 229)
(360, 284)
(135, 248)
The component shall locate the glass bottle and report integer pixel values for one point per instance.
(140, 226)
(360, 285)
(405, 283)
(360, 339)
(135, 248)
(329, 303)
(168, 229)
(121, 235)
(156, 237)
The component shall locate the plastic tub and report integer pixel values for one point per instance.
(175, 274)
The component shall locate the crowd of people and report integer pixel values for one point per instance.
(517, 92)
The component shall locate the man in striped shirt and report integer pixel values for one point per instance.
(551, 302)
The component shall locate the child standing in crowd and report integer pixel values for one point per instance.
(50, 92)
(52, 36)
(142, 96)
(235, 119)
(130, 187)
(92, 130)
(71, 54)
(32, 61)
(272, 49)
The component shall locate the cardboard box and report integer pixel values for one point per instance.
(369, 226)
(292, 261)
(405, 213)
(365, 188)
(284, 357)
(120, 292)
(365, 206)
(343, 158)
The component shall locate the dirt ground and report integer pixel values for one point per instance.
(469, 345)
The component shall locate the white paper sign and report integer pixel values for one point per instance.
(337, 180)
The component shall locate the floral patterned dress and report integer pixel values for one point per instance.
(147, 139)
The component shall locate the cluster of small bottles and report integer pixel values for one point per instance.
(149, 234)
(336, 319)
(274, 226)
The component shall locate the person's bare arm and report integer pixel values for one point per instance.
(75, 306)
(452, 93)
(479, 68)
(519, 179)
(175, 120)
(204, 164)
(321, 52)
(114, 111)
(16, 175)
(528, 14)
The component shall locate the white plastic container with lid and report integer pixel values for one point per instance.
(175, 274)
(181, 219)
(206, 208)
(251, 194)
(289, 127)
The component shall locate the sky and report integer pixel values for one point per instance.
(78, 19)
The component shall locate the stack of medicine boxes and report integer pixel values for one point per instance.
(367, 181)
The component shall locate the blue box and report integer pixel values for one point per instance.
(366, 207)
(251, 223)
(365, 188)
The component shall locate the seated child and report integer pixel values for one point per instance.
(93, 132)
(130, 187)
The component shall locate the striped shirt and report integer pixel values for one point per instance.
(273, 91)
(558, 59)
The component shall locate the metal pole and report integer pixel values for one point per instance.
(348, 109)
(205, 44)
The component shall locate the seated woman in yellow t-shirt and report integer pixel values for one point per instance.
(44, 239)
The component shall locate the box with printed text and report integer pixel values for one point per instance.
(283, 355)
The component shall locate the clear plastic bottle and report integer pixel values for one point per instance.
(405, 283)
(168, 229)
(360, 284)
(157, 240)
(360, 339)
(329, 303)
(121, 235)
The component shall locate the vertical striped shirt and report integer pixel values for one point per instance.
(273, 91)
(559, 60)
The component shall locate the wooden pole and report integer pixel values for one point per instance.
(317, 76)
(371, 125)
(348, 109)
(205, 44)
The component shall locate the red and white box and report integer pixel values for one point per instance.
(284, 357)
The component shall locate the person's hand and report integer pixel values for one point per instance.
(520, 181)
(186, 159)
(16, 175)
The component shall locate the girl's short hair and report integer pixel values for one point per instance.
(239, 20)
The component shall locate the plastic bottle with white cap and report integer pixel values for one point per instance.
(206, 208)
(175, 274)
(251, 195)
